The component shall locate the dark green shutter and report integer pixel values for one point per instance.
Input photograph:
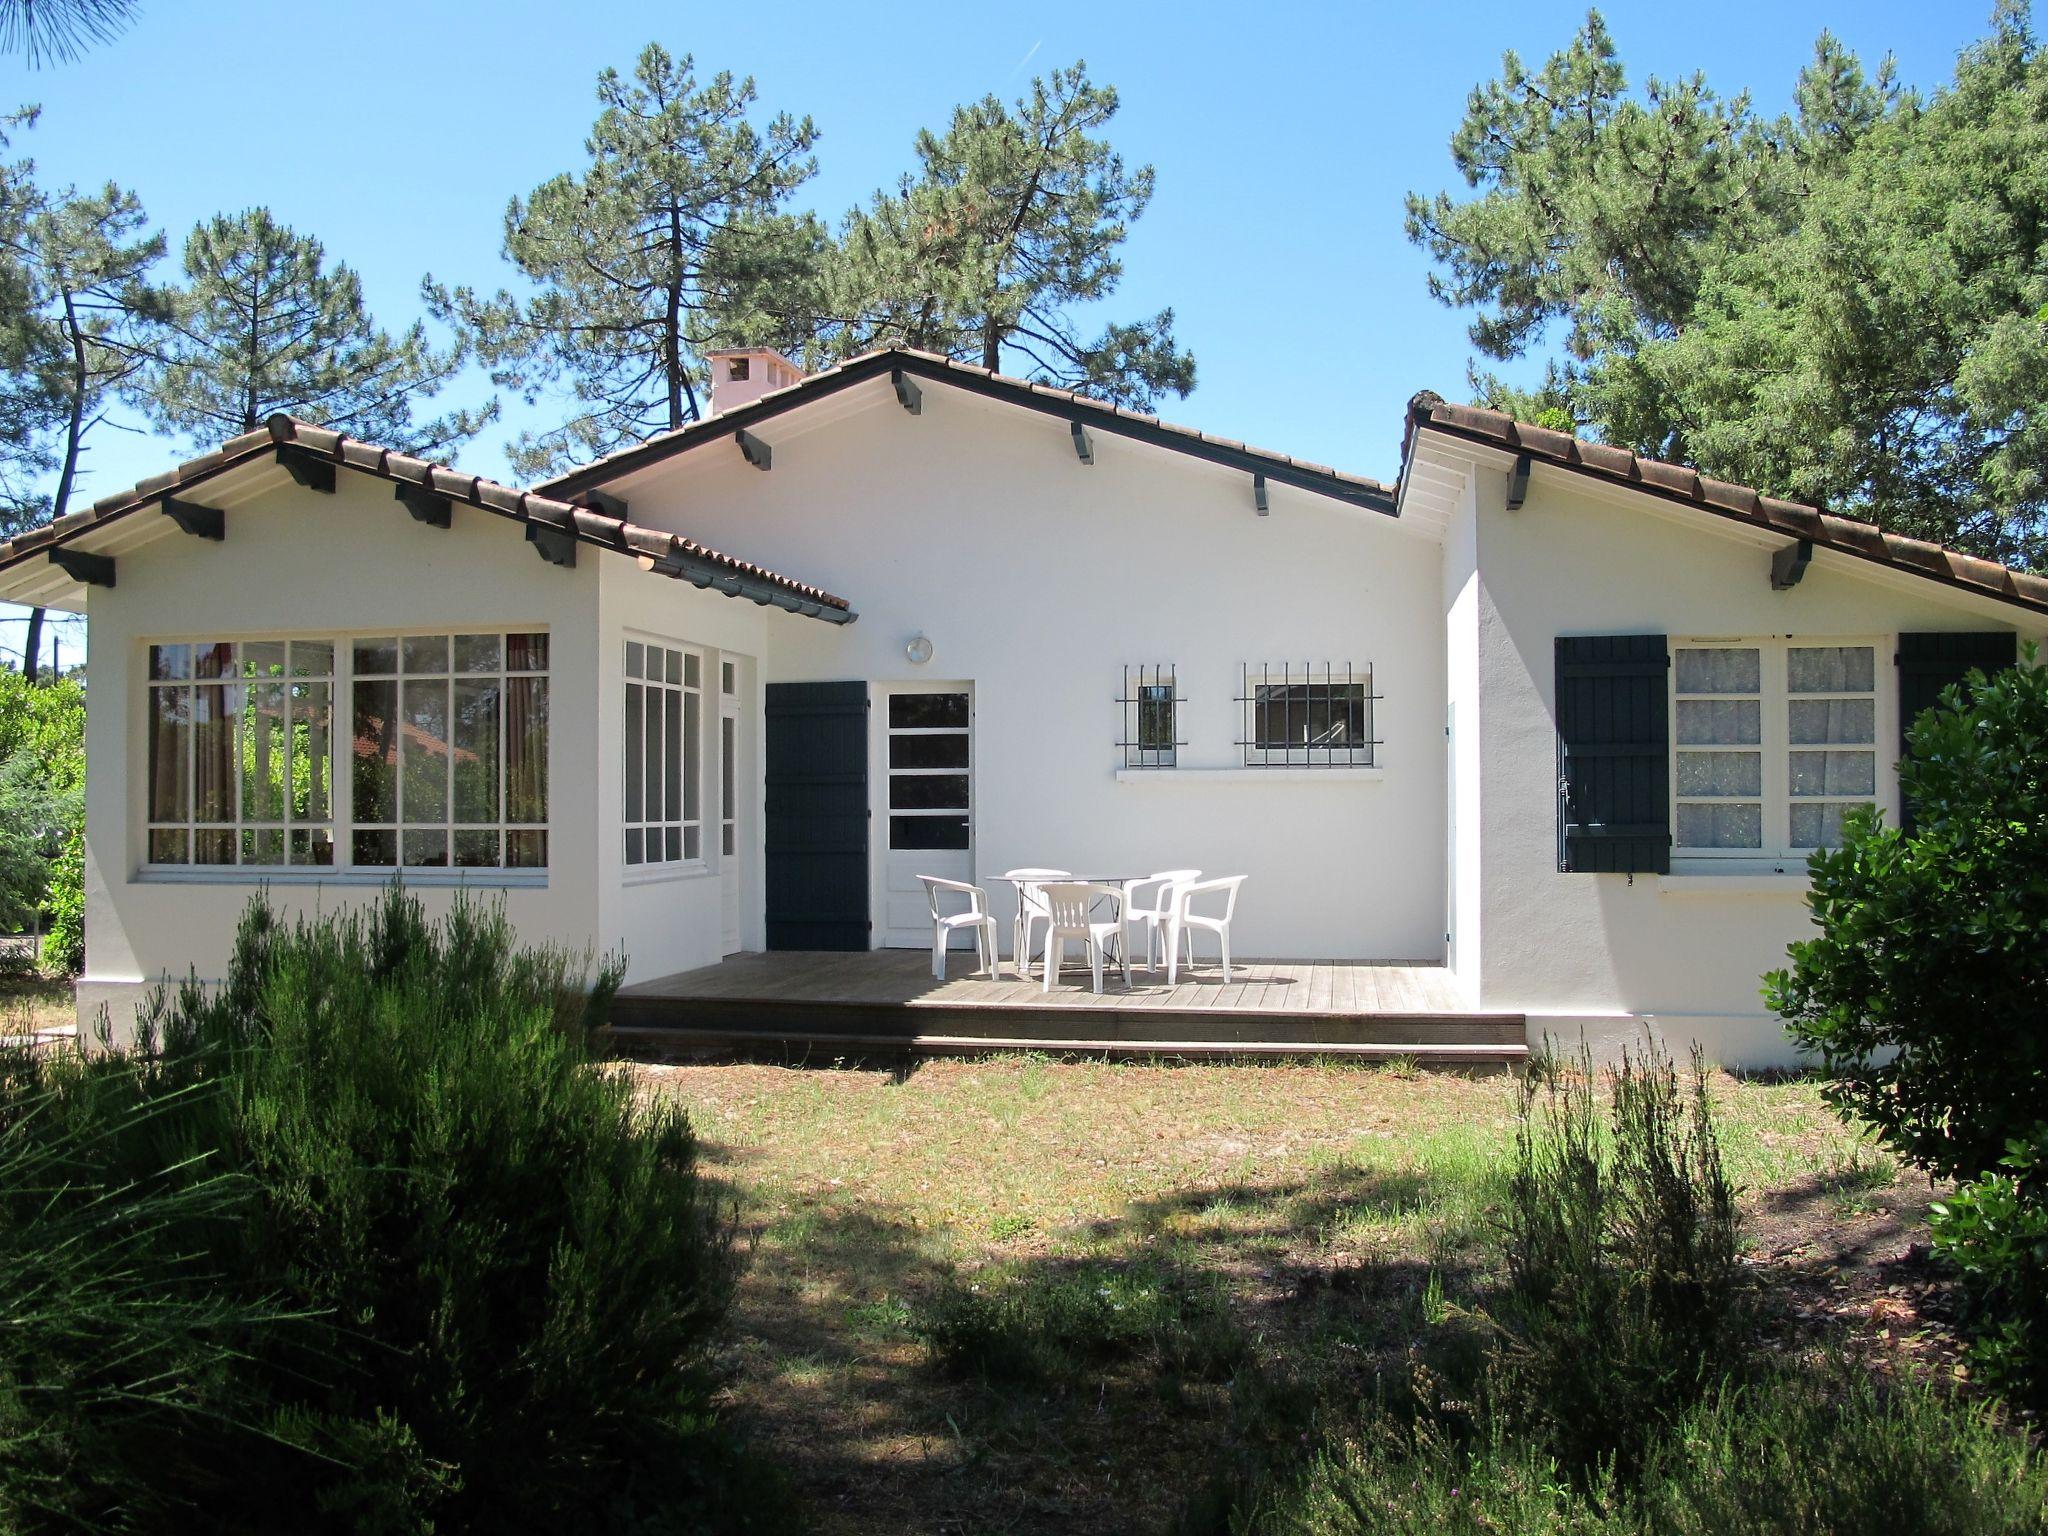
(1613, 754)
(815, 783)
(1929, 663)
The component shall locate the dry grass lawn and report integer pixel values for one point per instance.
(1336, 1206)
(35, 1007)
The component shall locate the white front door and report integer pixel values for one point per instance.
(729, 800)
(926, 810)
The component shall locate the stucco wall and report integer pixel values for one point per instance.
(1038, 578)
(1592, 950)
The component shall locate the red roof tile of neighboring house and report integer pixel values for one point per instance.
(1740, 503)
(673, 553)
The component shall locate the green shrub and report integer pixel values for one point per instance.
(1007, 1327)
(1923, 993)
(42, 813)
(1830, 1455)
(1621, 1306)
(514, 1275)
(1995, 1231)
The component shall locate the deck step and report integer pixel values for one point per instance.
(670, 1041)
(1120, 1026)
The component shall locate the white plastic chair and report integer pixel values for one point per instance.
(977, 917)
(1184, 922)
(1152, 912)
(1070, 906)
(1031, 911)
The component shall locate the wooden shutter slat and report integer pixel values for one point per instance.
(1614, 754)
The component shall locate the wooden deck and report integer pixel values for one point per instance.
(887, 1002)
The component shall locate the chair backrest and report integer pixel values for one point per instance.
(1166, 881)
(1185, 895)
(1027, 888)
(977, 899)
(1072, 902)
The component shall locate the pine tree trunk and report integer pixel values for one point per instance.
(991, 347)
(32, 647)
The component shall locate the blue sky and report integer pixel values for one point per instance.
(1284, 137)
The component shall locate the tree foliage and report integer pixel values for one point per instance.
(58, 31)
(263, 323)
(671, 240)
(1846, 303)
(1923, 993)
(42, 812)
(1016, 215)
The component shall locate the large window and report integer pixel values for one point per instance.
(664, 775)
(1314, 716)
(1774, 743)
(451, 735)
(240, 752)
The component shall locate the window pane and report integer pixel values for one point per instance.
(635, 841)
(312, 658)
(526, 850)
(635, 666)
(1721, 773)
(423, 755)
(478, 653)
(1834, 773)
(215, 708)
(170, 726)
(1308, 715)
(378, 846)
(692, 756)
(213, 845)
(1155, 717)
(914, 833)
(727, 791)
(927, 711)
(262, 658)
(425, 653)
(263, 845)
(691, 677)
(660, 705)
(635, 750)
(376, 753)
(1720, 670)
(426, 848)
(1819, 825)
(375, 657)
(1733, 825)
(312, 846)
(312, 750)
(526, 653)
(728, 677)
(526, 756)
(1832, 720)
(476, 752)
(266, 752)
(170, 846)
(928, 791)
(947, 751)
(729, 840)
(678, 760)
(684, 842)
(477, 848)
(1720, 722)
(217, 660)
(1830, 669)
(170, 662)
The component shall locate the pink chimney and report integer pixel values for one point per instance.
(742, 374)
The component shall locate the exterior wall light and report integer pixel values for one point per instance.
(919, 650)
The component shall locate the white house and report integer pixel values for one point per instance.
(1559, 720)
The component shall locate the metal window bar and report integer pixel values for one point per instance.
(1335, 737)
(1150, 712)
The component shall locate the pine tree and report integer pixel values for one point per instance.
(264, 324)
(672, 239)
(1015, 215)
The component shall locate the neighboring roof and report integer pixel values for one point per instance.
(1738, 503)
(671, 554)
(1282, 469)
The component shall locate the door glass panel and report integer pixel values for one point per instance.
(928, 792)
(945, 751)
(910, 833)
(927, 711)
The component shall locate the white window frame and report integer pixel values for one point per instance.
(241, 827)
(1779, 854)
(1257, 675)
(644, 841)
(500, 826)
